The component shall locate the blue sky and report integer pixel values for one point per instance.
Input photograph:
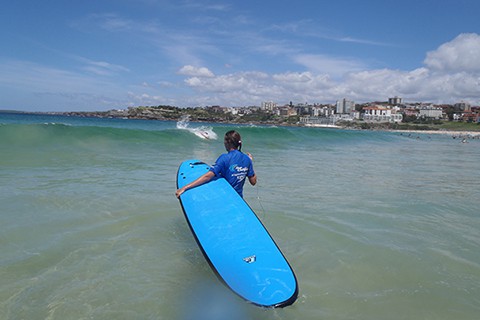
(59, 55)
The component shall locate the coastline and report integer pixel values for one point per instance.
(453, 133)
(323, 126)
(167, 115)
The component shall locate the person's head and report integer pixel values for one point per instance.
(232, 140)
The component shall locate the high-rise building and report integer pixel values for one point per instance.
(394, 101)
(345, 106)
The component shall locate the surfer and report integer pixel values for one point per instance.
(235, 166)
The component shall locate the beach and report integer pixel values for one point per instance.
(375, 224)
(452, 133)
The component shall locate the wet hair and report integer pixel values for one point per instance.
(233, 140)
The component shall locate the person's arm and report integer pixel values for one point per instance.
(253, 180)
(201, 180)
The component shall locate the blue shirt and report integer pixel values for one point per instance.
(234, 166)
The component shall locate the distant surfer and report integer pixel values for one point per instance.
(235, 166)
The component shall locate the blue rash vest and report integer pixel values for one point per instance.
(234, 166)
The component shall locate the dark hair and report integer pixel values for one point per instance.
(233, 140)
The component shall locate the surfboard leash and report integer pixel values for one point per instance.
(260, 202)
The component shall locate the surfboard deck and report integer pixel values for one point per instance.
(234, 241)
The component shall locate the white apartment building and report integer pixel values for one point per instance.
(269, 105)
(431, 113)
(381, 114)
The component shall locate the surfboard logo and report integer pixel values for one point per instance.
(250, 259)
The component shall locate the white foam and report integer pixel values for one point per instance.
(202, 132)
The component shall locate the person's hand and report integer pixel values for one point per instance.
(250, 156)
(179, 192)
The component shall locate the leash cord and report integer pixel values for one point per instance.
(260, 202)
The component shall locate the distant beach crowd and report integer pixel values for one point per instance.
(464, 136)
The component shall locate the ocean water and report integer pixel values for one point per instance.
(376, 225)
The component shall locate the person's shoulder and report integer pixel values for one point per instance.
(222, 158)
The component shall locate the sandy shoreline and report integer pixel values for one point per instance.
(457, 134)
(453, 133)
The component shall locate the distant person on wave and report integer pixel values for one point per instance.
(234, 166)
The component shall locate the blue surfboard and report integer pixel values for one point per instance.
(234, 241)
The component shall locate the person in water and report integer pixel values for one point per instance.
(235, 166)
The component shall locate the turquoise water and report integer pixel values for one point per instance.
(376, 225)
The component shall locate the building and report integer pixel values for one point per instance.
(323, 111)
(286, 111)
(431, 113)
(269, 106)
(462, 106)
(345, 106)
(318, 121)
(410, 112)
(232, 110)
(471, 117)
(395, 101)
(381, 114)
(303, 109)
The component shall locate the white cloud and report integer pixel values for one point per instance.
(246, 88)
(192, 71)
(242, 81)
(460, 54)
(362, 41)
(332, 66)
(294, 77)
(450, 74)
(194, 82)
(145, 99)
(103, 68)
(304, 85)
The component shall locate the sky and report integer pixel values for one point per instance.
(95, 55)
